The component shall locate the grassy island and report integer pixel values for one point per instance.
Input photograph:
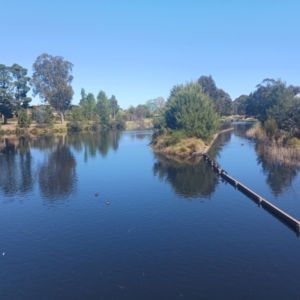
(188, 122)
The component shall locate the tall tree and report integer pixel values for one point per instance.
(221, 99)
(114, 106)
(51, 80)
(13, 89)
(103, 108)
(88, 105)
(273, 99)
(239, 105)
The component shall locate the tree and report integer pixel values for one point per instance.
(239, 105)
(140, 111)
(51, 80)
(43, 115)
(23, 119)
(13, 89)
(88, 105)
(189, 109)
(113, 103)
(103, 108)
(156, 104)
(273, 99)
(221, 99)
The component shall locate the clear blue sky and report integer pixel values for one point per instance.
(138, 50)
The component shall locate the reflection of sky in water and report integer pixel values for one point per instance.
(150, 242)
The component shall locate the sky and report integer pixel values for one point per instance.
(138, 50)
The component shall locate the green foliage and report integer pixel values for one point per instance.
(176, 136)
(75, 118)
(293, 143)
(114, 106)
(88, 105)
(273, 99)
(120, 120)
(222, 101)
(103, 108)
(13, 89)
(43, 116)
(51, 80)
(189, 109)
(24, 119)
(239, 105)
(270, 127)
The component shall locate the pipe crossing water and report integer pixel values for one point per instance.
(281, 215)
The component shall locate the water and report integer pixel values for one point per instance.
(171, 231)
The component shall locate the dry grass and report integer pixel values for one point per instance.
(279, 154)
(283, 150)
(142, 124)
(183, 148)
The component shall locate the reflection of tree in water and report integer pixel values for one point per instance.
(109, 139)
(141, 135)
(240, 128)
(16, 165)
(217, 146)
(279, 176)
(94, 142)
(57, 177)
(193, 179)
(187, 180)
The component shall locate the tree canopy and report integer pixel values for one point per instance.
(189, 109)
(51, 80)
(103, 108)
(13, 89)
(273, 99)
(221, 99)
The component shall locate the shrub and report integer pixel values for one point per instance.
(270, 127)
(190, 110)
(23, 119)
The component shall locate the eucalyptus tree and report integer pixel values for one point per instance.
(51, 80)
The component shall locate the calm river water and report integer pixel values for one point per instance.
(169, 231)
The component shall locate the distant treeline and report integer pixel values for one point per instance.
(51, 81)
(188, 106)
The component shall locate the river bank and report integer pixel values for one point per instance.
(12, 128)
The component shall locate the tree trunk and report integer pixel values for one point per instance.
(62, 118)
(4, 119)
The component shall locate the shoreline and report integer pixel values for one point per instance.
(185, 156)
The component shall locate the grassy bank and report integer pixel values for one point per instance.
(276, 147)
(139, 124)
(174, 144)
(12, 127)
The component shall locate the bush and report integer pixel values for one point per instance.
(43, 116)
(270, 127)
(23, 119)
(190, 110)
(293, 143)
